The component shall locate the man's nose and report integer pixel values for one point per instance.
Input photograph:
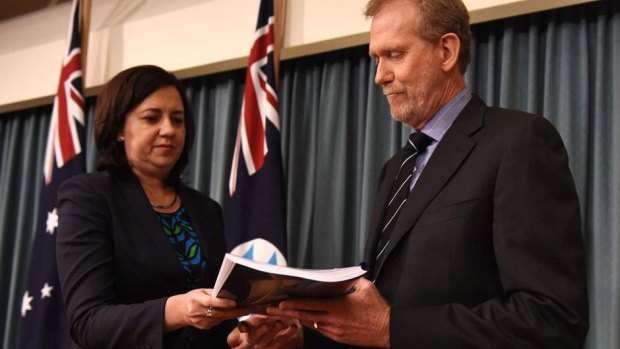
(384, 74)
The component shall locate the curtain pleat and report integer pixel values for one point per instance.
(216, 104)
(23, 138)
(337, 133)
(563, 64)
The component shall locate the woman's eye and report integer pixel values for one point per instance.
(178, 119)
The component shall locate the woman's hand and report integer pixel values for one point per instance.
(260, 331)
(200, 309)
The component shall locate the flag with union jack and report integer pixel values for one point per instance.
(255, 207)
(44, 323)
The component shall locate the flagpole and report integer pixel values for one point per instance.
(280, 17)
(44, 322)
(256, 206)
(85, 33)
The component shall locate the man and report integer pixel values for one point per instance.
(485, 251)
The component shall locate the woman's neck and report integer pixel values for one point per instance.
(161, 195)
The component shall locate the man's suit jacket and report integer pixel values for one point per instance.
(487, 251)
(117, 267)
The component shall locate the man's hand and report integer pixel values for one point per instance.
(360, 318)
(260, 331)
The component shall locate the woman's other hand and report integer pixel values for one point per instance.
(199, 308)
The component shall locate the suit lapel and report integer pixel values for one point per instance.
(140, 211)
(445, 161)
(386, 178)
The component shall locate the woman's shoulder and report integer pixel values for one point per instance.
(86, 190)
(195, 199)
(190, 193)
(101, 179)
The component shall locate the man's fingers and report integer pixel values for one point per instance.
(308, 304)
(243, 327)
(284, 313)
(287, 338)
(302, 315)
(266, 338)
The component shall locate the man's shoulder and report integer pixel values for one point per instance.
(514, 120)
(513, 115)
(495, 117)
(478, 105)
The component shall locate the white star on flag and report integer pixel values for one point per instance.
(46, 291)
(26, 303)
(52, 222)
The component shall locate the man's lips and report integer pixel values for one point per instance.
(389, 93)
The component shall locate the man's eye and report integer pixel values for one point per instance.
(396, 55)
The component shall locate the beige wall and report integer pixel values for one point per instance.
(189, 37)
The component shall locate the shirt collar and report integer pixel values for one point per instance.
(439, 124)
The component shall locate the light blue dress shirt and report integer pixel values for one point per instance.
(437, 127)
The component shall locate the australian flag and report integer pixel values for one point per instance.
(255, 207)
(44, 323)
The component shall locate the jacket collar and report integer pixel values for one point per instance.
(447, 158)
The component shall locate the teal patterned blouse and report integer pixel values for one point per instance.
(186, 243)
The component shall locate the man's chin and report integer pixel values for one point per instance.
(404, 118)
(399, 116)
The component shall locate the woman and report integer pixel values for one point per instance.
(137, 249)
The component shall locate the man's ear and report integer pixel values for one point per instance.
(450, 50)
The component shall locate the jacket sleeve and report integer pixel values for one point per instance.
(539, 252)
(85, 256)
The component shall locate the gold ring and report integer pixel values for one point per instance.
(316, 325)
(210, 312)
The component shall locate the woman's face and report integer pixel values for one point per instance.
(154, 134)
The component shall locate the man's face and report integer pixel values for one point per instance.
(408, 67)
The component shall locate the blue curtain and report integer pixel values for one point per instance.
(337, 132)
(563, 64)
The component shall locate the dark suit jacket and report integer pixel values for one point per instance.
(487, 251)
(117, 267)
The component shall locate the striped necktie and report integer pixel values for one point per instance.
(416, 144)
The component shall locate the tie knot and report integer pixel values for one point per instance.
(418, 142)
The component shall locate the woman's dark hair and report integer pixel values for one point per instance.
(120, 96)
